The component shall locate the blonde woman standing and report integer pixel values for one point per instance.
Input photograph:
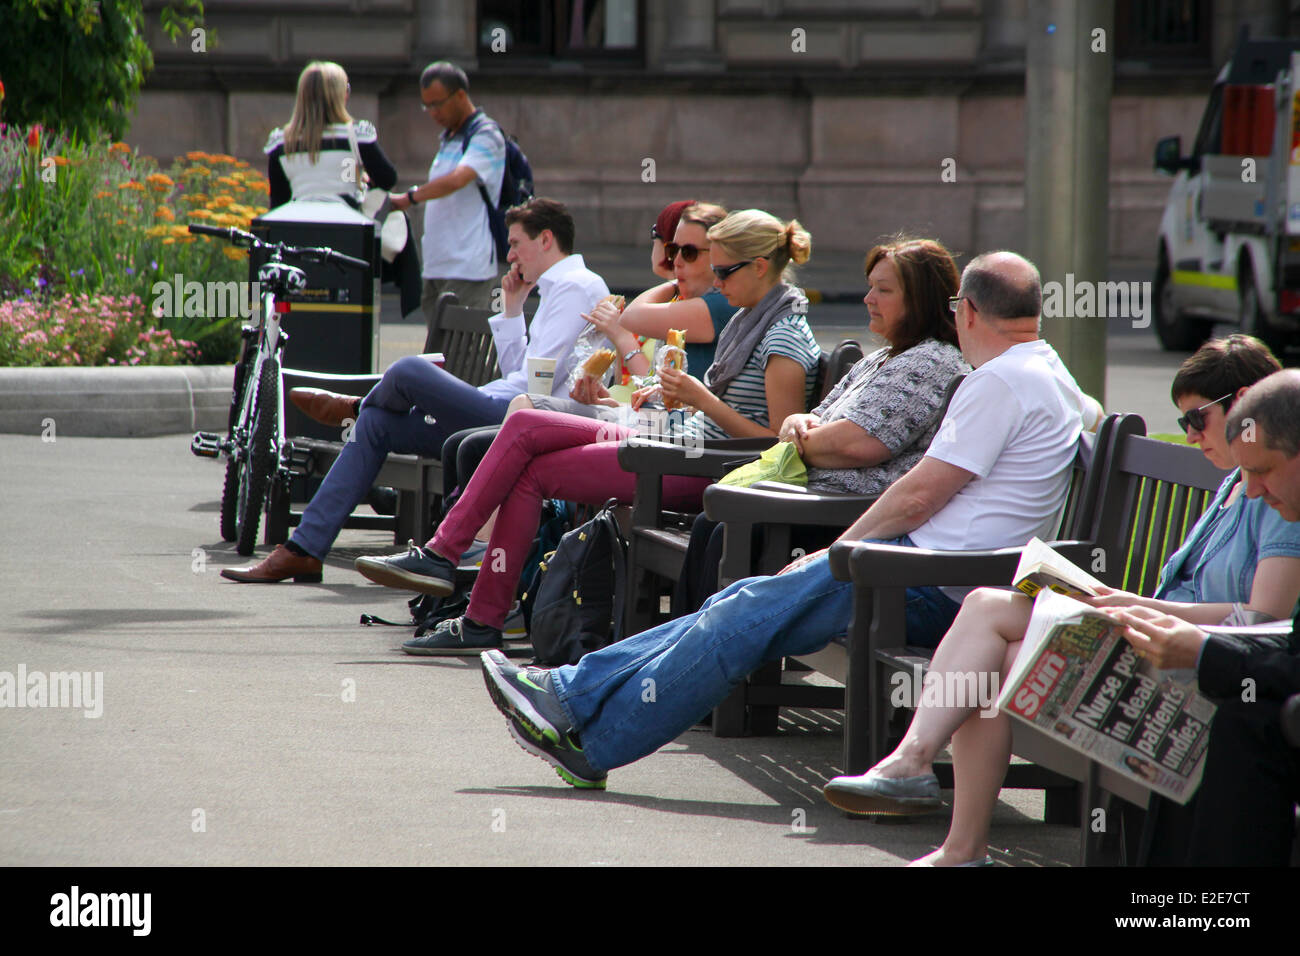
(316, 154)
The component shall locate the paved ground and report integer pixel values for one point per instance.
(226, 736)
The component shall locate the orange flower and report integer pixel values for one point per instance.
(162, 212)
(61, 160)
(230, 252)
(159, 181)
(223, 200)
(196, 156)
(103, 194)
(168, 241)
(242, 165)
(119, 222)
(228, 181)
(200, 214)
(131, 184)
(196, 197)
(119, 148)
(222, 158)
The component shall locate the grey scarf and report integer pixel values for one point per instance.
(746, 329)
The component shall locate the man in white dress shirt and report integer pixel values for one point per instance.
(416, 405)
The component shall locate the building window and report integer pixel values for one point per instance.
(1163, 29)
(564, 29)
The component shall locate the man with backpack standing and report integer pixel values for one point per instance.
(474, 177)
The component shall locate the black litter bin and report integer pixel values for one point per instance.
(333, 325)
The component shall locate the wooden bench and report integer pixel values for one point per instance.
(754, 706)
(658, 539)
(461, 334)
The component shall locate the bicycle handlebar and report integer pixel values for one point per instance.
(237, 237)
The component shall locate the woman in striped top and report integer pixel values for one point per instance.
(765, 370)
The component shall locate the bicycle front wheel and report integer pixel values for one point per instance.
(258, 465)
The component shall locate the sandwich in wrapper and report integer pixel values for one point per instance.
(598, 363)
(674, 355)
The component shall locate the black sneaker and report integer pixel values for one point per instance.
(420, 569)
(454, 637)
(536, 720)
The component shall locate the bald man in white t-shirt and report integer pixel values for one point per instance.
(995, 476)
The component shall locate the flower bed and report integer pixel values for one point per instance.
(91, 228)
(86, 330)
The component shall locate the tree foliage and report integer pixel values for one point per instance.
(77, 66)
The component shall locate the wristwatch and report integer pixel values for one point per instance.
(410, 196)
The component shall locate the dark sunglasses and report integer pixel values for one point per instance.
(1196, 416)
(654, 232)
(688, 252)
(723, 272)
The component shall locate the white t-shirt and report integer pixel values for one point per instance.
(457, 241)
(1014, 423)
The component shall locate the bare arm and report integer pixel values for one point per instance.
(783, 381)
(1274, 592)
(651, 316)
(910, 501)
(445, 185)
(841, 444)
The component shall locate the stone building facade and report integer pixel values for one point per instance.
(845, 113)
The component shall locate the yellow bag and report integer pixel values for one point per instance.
(781, 462)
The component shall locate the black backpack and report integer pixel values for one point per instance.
(576, 605)
(516, 184)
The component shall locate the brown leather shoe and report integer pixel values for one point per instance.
(328, 408)
(278, 565)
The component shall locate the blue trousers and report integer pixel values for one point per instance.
(629, 699)
(392, 419)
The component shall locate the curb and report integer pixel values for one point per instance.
(119, 402)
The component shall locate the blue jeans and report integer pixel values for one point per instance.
(392, 420)
(629, 699)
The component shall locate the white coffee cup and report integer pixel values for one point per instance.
(541, 376)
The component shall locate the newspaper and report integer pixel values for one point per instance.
(1041, 567)
(1077, 680)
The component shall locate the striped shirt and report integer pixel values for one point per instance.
(789, 337)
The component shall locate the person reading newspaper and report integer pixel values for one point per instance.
(1239, 553)
(1244, 812)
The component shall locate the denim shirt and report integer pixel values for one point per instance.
(1216, 563)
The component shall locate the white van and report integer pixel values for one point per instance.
(1230, 233)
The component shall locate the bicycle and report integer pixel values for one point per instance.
(255, 444)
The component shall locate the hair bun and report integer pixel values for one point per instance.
(798, 242)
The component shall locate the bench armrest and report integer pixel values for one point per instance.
(331, 381)
(713, 460)
(761, 506)
(888, 565)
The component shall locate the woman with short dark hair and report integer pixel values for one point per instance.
(1240, 553)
